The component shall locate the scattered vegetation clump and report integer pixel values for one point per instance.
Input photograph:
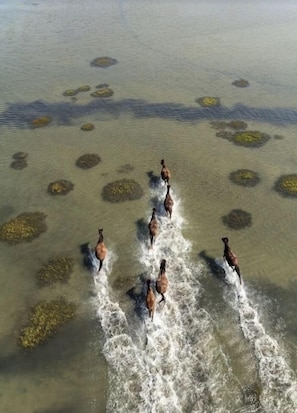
(125, 168)
(240, 83)
(237, 219)
(104, 92)
(60, 187)
(83, 88)
(225, 135)
(122, 190)
(87, 127)
(278, 137)
(55, 270)
(208, 101)
(87, 161)
(73, 92)
(70, 92)
(19, 164)
(250, 139)
(103, 62)
(233, 124)
(41, 121)
(20, 155)
(286, 185)
(245, 177)
(24, 228)
(102, 86)
(44, 320)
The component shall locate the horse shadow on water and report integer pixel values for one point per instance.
(215, 269)
(85, 250)
(137, 294)
(154, 180)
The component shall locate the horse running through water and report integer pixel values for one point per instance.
(162, 281)
(165, 173)
(230, 257)
(150, 300)
(100, 249)
(153, 227)
(168, 202)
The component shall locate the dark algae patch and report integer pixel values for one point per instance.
(237, 219)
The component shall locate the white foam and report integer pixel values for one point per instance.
(279, 384)
(174, 364)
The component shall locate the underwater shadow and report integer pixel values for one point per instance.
(67, 113)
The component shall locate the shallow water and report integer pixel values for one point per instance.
(211, 340)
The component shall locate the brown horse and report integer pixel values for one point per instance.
(150, 300)
(153, 227)
(165, 173)
(162, 281)
(100, 249)
(168, 202)
(230, 257)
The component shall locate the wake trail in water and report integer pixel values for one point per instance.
(279, 383)
(172, 364)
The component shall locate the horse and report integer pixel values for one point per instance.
(168, 202)
(100, 249)
(150, 300)
(153, 227)
(165, 173)
(230, 257)
(162, 281)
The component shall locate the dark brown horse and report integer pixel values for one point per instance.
(150, 300)
(168, 202)
(162, 281)
(153, 227)
(165, 173)
(100, 249)
(230, 257)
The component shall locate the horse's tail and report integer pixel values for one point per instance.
(238, 272)
(100, 265)
(152, 239)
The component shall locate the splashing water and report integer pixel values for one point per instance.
(174, 364)
(279, 384)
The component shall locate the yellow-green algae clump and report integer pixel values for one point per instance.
(87, 127)
(58, 269)
(73, 92)
(286, 185)
(60, 187)
(122, 190)
(208, 101)
(41, 121)
(250, 139)
(24, 228)
(244, 177)
(45, 319)
(104, 92)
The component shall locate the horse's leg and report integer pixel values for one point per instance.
(162, 299)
